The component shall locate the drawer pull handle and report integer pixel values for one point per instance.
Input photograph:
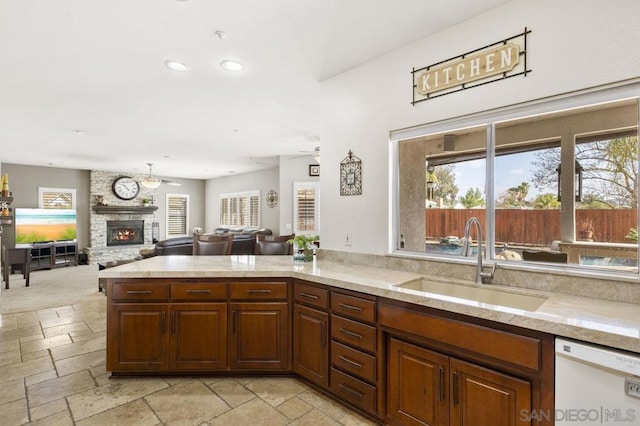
(350, 307)
(259, 291)
(138, 291)
(350, 361)
(309, 296)
(351, 390)
(441, 384)
(199, 291)
(350, 333)
(455, 389)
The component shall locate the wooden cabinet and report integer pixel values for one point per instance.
(52, 255)
(259, 336)
(430, 388)
(311, 344)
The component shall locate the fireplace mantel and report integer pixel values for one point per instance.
(124, 209)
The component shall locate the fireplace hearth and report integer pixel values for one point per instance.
(125, 232)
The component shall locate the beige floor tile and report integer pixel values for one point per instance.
(117, 392)
(80, 362)
(12, 391)
(315, 418)
(62, 418)
(276, 390)
(94, 306)
(9, 346)
(294, 408)
(35, 355)
(97, 325)
(355, 419)
(60, 387)
(135, 413)
(20, 333)
(102, 379)
(99, 370)
(9, 322)
(38, 336)
(232, 391)
(81, 337)
(66, 329)
(46, 343)
(70, 319)
(8, 358)
(255, 413)
(48, 409)
(14, 413)
(327, 406)
(188, 403)
(40, 377)
(74, 349)
(24, 369)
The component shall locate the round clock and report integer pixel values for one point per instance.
(272, 198)
(125, 188)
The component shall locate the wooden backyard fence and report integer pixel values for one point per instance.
(536, 227)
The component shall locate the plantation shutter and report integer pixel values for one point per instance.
(240, 209)
(177, 215)
(306, 207)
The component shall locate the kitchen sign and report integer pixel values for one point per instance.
(497, 61)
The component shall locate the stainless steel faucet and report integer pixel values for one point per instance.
(481, 277)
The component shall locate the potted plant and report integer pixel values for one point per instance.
(304, 244)
(585, 230)
(146, 202)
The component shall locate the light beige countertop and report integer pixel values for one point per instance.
(613, 324)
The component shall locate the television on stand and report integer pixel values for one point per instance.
(34, 226)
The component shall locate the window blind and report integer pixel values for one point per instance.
(177, 210)
(240, 209)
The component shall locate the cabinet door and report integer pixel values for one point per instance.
(310, 344)
(259, 336)
(138, 339)
(198, 336)
(480, 396)
(417, 388)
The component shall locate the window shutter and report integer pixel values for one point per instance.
(306, 209)
(241, 209)
(177, 215)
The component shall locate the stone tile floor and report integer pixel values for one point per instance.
(52, 372)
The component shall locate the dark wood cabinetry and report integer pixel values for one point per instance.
(52, 255)
(311, 344)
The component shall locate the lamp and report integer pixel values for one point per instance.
(577, 186)
(316, 154)
(432, 179)
(150, 181)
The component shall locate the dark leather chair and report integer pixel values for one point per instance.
(178, 245)
(209, 244)
(273, 245)
(20, 257)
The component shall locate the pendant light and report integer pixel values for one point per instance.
(150, 181)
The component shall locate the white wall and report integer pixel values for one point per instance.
(574, 44)
(263, 180)
(293, 169)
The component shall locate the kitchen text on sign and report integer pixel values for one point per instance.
(471, 68)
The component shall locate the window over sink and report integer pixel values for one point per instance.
(553, 181)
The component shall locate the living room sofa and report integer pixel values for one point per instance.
(243, 242)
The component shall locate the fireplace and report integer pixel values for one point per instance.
(125, 232)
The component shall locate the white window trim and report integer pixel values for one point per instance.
(188, 211)
(42, 190)
(306, 185)
(243, 194)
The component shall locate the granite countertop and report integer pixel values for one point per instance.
(613, 324)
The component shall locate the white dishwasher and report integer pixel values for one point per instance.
(596, 386)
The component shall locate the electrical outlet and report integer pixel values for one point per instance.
(347, 238)
(287, 226)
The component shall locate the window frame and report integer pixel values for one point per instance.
(238, 196)
(168, 198)
(574, 100)
(305, 185)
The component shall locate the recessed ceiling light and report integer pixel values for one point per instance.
(231, 66)
(78, 132)
(220, 34)
(176, 66)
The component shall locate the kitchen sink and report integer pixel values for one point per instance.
(474, 293)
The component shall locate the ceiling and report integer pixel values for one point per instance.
(84, 85)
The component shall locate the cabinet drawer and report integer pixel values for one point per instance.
(353, 361)
(353, 307)
(186, 290)
(311, 295)
(353, 333)
(358, 393)
(263, 290)
(140, 291)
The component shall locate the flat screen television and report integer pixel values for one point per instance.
(44, 225)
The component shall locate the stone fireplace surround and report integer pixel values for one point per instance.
(98, 251)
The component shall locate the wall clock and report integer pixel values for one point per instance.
(125, 187)
(272, 198)
(351, 175)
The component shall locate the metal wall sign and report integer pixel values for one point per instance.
(497, 61)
